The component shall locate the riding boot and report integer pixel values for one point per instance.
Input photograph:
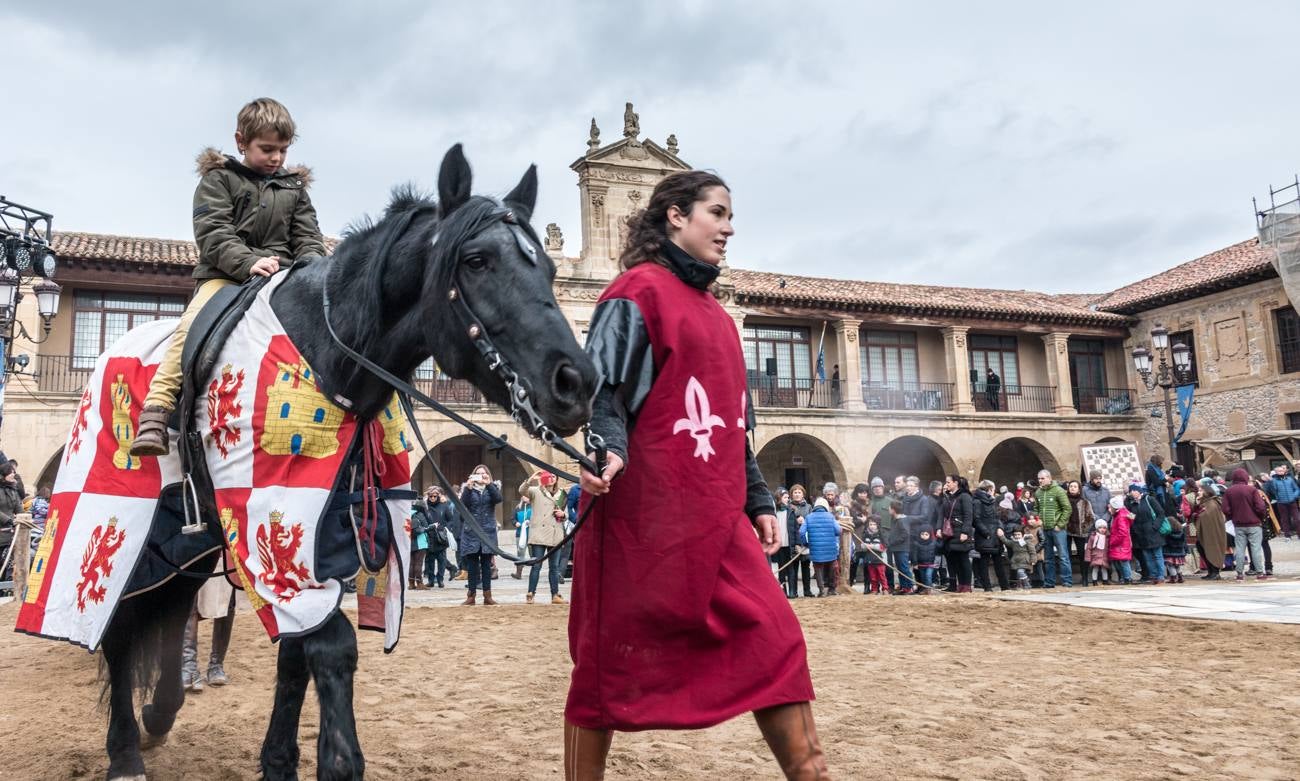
(221, 628)
(585, 751)
(487, 597)
(791, 734)
(151, 435)
(469, 600)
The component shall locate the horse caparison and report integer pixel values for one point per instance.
(389, 307)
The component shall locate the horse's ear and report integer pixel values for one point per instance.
(524, 196)
(453, 181)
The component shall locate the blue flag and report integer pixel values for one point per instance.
(821, 363)
(1185, 393)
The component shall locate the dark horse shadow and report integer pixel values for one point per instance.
(391, 308)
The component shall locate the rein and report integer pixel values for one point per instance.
(521, 406)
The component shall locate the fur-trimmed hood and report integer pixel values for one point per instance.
(212, 159)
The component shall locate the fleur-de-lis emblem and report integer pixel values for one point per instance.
(700, 420)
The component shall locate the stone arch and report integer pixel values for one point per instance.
(1017, 459)
(800, 458)
(912, 455)
(48, 472)
(458, 455)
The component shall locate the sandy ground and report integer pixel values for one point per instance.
(941, 687)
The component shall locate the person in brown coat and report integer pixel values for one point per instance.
(1211, 533)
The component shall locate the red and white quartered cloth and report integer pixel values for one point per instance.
(275, 446)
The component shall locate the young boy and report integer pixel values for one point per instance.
(250, 217)
(1020, 554)
(924, 552)
(875, 557)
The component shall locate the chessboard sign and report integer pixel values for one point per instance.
(1118, 463)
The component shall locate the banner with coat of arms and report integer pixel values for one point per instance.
(275, 446)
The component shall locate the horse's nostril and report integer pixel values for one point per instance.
(567, 381)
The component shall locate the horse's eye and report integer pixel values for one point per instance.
(476, 262)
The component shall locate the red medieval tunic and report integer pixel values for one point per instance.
(676, 620)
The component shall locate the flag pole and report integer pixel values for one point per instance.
(821, 359)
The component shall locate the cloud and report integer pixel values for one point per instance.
(1080, 148)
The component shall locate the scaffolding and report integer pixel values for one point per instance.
(1279, 230)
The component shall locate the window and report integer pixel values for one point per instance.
(1293, 420)
(789, 346)
(1288, 339)
(1186, 338)
(889, 359)
(999, 354)
(1087, 364)
(100, 318)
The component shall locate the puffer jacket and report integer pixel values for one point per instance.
(986, 522)
(481, 503)
(821, 533)
(924, 551)
(1120, 544)
(241, 215)
(1285, 489)
(1097, 550)
(918, 507)
(1053, 505)
(1146, 523)
(960, 508)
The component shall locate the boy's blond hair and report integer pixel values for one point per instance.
(263, 117)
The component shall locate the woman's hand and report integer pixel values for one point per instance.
(598, 486)
(766, 525)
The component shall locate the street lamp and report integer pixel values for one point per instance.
(1166, 376)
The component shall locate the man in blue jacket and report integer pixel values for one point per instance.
(1284, 491)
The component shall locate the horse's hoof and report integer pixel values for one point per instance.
(139, 777)
(155, 722)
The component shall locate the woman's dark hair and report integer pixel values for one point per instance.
(6, 470)
(647, 230)
(963, 486)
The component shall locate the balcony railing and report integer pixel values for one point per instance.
(62, 373)
(1103, 401)
(451, 391)
(69, 374)
(928, 396)
(789, 392)
(1013, 398)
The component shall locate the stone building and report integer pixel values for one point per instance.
(1230, 309)
(906, 388)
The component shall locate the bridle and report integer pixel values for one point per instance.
(521, 406)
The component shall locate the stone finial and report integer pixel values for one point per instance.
(554, 238)
(631, 122)
(593, 140)
(672, 143)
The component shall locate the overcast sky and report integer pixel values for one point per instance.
(1021, 145)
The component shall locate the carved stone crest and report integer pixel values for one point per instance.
(554, 238)
(631, 122)
(672, 144)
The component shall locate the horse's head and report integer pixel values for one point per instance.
(489, 269)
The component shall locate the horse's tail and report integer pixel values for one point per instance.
(139, 627)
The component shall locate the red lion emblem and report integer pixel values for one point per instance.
(222, 405)
(96, 561)
(277, 550)
(78, 426)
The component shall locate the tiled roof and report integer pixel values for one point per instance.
(1229, 267)
(767, 287)
(100, 246)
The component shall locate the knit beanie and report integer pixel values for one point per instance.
(1116, 503)
(822, 503)
(876, 482)
(1094, 474)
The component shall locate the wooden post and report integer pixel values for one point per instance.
(22, 551)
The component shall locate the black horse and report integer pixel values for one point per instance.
(392, 306)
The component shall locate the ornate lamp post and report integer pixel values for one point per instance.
(1166, 376)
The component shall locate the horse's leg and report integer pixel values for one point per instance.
(123, 742)
(169, 695)
(332, 659)
(280, 749)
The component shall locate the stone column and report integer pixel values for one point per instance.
(958, 362)
(1057, 345)
(849, 354)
